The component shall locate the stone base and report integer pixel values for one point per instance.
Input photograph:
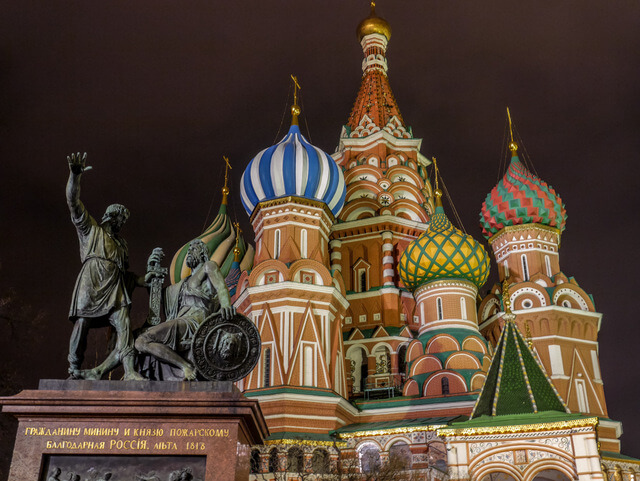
(134, 428)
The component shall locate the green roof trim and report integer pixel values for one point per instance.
(290, 390)
(516, 382)
(402, 401)
(618, 457)
(459, 334)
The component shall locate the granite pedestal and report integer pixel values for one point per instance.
(134, 430)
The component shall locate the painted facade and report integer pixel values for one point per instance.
(376, 348)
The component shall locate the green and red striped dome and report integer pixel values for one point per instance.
(521, 198)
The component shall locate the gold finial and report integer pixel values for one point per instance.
(508, 314)
(437, 192)
(513, 147)
(236, 249)
(373, 7)
(528, 332)
(225, 189)
(295, 108)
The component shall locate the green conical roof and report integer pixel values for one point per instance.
(516, 382)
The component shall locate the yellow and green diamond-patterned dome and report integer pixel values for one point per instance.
(443, 252)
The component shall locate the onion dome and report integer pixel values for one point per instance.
(373, 24)
(234, 273)
(220, 238)
(521, 198)
(293, 167)
(443, 252)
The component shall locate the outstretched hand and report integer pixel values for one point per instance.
(77, 163)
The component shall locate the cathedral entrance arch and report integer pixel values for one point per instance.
(551, 475)
(498, 476)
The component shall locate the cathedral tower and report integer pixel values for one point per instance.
(523, 218)
(445, 268)
(292, 192)
(388, 204)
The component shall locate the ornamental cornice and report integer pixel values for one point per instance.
(549, 428)
(510, 229)
(267, 204)
(389, 432)
(370, 141)
(304, 442)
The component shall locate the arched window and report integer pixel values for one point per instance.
(267, 368)
(273, 461)
(369, 458)
(255, 461)
(276, 244)
(444, 382)
(308, 366)
(463, 308)
(362, 277)
(303, 243)
(439, 308)
(547, 263)
(402, 359)
(295, 460)
(525, 267)
(400, 456)
(320, 462)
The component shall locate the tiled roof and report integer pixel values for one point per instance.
(516, 382)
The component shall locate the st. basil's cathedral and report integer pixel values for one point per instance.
(377, 347)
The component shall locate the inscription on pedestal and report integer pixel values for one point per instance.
(127, 439)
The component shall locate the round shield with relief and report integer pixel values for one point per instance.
(226, 350)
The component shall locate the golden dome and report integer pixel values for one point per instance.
(443, 252)
(373, 24)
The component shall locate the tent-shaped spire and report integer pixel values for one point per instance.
(516, 382)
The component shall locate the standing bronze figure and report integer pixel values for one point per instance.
(102, 294)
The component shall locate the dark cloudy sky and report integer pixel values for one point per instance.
(158, 91)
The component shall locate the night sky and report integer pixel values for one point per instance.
(157, 92)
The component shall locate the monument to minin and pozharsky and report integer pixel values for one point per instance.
(152, 425)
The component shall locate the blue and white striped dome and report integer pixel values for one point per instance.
(293, 167)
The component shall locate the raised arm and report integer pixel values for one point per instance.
(77, 165)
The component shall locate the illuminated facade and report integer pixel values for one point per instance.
(376, 344)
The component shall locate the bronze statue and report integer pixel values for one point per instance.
(187, 304)
(102, 293)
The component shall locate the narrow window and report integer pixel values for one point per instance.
(267, 367)
(555, 356)
(506, 269)
(273, 460)
(255, 461)
(581, 390)
(439, 308)
(303, 243)
(308, 366)
(547, 263)
(276, 244)
(525, 267)
(444, 382)
(362, 276)
(596, 366)
(463, 309)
